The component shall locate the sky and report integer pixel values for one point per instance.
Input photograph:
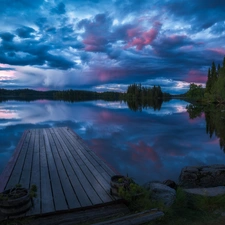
(106, 45)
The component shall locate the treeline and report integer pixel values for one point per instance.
(214, 92)
(25, 94)
(139, 97)
(67, 95)
(137, 91)
(136, 95)
(78, 95)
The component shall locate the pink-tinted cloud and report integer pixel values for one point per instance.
(133, 32)
(219, 51)
(196, 76)
(109, 74)
(141, 39)
(94, 43)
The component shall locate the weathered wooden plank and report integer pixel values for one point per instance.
(103, 194)
(78, 188)
(47, 201)
(86, 163)
(93, 175)
(93, 196)
(35, 175)
(87, 216)
(26, 171)
(56, 186)
(90, 155)
(10, 166)
(16, 173)
(79, 143)
(90, 170)
(65, 181)
(85, 149)
(68, 175)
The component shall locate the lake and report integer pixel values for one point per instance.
(147, 145)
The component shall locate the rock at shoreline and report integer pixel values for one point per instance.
(202, 176)
(161, 192)
(170, 183)
(210, 192)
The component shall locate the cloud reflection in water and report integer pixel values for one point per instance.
(147, 145)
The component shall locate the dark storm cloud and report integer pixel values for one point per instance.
(31, 52)
(6, 68)
(96, 33)
(6, 36)
(25, 32)
(21, 61)
(85, 57)
(41, 22)
(114, 41)
(200, 14)
(133, 6)
(59, 62)
(20, 5)
(177, 50)
(59, 9)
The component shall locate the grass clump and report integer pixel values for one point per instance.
(138, 198)
(193, 209)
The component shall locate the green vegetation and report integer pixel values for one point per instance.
(187, 209)
(33, 191)
(215, 86)
(136, 91)
(136, 96)
(196, 92)
(18, 191)
(137, 198)
(195, 210)
(77, 95)
(67, 95)
(139, 97)
(25, 94)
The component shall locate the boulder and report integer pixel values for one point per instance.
(210, 192)
(202, 176)
(170, 183)
(161, 192)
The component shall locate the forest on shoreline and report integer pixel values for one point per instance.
(136, 95)
(214, 91)
(135, 92)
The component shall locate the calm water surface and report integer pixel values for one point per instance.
(147, 145)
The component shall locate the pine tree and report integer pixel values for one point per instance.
(218, 70)
(209, 81)
(214, 73)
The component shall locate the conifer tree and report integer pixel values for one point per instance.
(209, 81)
(218, 67)
(214, 73)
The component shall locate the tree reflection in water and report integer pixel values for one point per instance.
(139, 104)
(214, 117)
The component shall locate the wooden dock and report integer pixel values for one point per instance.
(68, 175)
